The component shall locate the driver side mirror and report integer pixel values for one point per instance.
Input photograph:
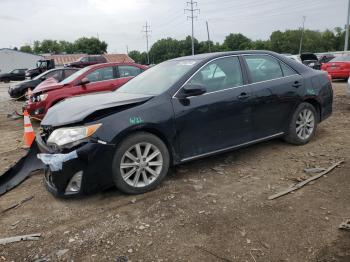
(193, 90)
(84, 81)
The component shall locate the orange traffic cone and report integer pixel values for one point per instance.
(29, 134)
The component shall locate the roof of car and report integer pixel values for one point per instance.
(299, 67)
(219, 54)
(115, 64)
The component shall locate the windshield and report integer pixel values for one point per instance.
(345, 58)
(75, 75)
(159, 78)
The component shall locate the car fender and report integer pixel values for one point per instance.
(149, 128)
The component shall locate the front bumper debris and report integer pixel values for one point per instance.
(81, 170)
(21, 170)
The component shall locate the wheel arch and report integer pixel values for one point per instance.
(316, 104)
(154, 131)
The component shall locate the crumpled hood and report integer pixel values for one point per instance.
(47, 85)
(75, 109)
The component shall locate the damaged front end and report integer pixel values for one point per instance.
(75, 162)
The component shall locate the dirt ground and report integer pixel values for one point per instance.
(215, 209)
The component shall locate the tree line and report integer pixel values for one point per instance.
(281, 42)
(84, 45)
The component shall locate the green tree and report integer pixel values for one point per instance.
(261, 45)
(90, 45)
(236, 42)
(135, 55)
(67, 47)
(37, 47)
(50, 46)
(26, 48)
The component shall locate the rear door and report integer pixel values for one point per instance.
(276, 89)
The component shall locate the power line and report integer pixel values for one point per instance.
(347, 29)
(192, 11)
(147, 30)
(206, 22)
(302, 34)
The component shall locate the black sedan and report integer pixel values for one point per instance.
(19, 89)
(180, 110)
(14, 75)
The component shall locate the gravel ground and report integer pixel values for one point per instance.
(215, 209)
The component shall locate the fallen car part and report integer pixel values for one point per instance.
(14, 115)
(17, 204)
(8, 240)
(345, 225)
(301, 184)
(314, 170)
(21, 170)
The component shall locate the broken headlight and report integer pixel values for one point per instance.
(70, 136)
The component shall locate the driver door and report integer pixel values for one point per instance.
(101, 79)
(218, 119)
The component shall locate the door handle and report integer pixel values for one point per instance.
(243, 96)
(296, 84)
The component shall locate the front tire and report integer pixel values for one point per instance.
(303, 124)
(140, 163)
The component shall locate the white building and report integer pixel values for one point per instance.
(12, 59)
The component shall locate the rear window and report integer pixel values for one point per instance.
(345, 58)
(287, 71)
(128, 71)
(263, 68)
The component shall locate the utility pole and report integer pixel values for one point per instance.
(302, 34)
(209, 35)
(347, 29)
(147, 30)
(192, 11)
(127, 49)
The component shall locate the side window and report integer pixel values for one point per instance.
(55, 74)
(16, 71)
(127, 71)
(263, 67)
(220, 74)
(287, 71)
(85, 59)
(101, 74)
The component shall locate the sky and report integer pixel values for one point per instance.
(120, 22)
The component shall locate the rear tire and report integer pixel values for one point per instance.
(303, 124)
(140, 163)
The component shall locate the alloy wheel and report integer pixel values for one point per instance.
(141, 164)
(305, 124)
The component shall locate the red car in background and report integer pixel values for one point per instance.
(96, 78)
(338, 67)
